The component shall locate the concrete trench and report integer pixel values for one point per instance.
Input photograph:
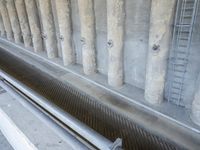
(95, 115)
(124, 43)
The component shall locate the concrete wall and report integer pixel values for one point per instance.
(135, 43)
(192, 70)
(136, 38)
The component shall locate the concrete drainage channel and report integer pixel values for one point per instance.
(93, 121)
(79, 131)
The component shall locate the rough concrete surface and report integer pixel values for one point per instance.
(162, 14)
(4, 145)
(24, 24)
(48, 28)
(6, 20)
(14, 21)
(32, 13)
(135, 42)
(2, 28)
(196, 104)
(87, 21)
(116, 20)
(63, 10)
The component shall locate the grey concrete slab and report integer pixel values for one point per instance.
(38, 132)
(4, 145)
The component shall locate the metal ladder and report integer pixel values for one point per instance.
(182, 36)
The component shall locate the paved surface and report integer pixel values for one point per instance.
(4, 145)
(40, 133)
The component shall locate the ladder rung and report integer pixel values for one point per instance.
(178, 64)
(188, 8)
(183, 38)
(173, 98)
(175, 82)
(175, 93)
(180, 71)
(178, 76)
(183, 59)
(183, 25)
(176, 88)
(182, 46)
(187, 16)
(182, 52)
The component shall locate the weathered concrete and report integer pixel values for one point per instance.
(88, 39)
(55, 18)
(64, 22)
(195, 115)
(4, 143)
(192, 69)
(6, 20)
(135, 40)
(14, 20)
(23, 20)
(33, 18)
(162, 13)
(115, 23)
(48, 28)
(2, 28)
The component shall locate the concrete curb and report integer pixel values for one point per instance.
(14, 136)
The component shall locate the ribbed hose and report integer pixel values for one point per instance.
(97, 116)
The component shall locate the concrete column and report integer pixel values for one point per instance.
(115, 27)
(2, 29)
(65, 29)
(162, 14)
(195, 115)
(23, 20)
(49, 28)
(6, 20)
(87, 19)
(34, 23)
(14, 21)
(53, 5)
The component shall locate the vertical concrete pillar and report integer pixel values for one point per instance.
(65, 29)
(2, 29)
(6, 20)
(53, 5)
(115, 27)
(49, 28)
(23, 20)
(14, 20)
(87, 19)
(162, 14)
(195, 115)
(34, 23)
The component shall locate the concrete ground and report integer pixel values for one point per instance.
(4, 145)
(26, 127)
